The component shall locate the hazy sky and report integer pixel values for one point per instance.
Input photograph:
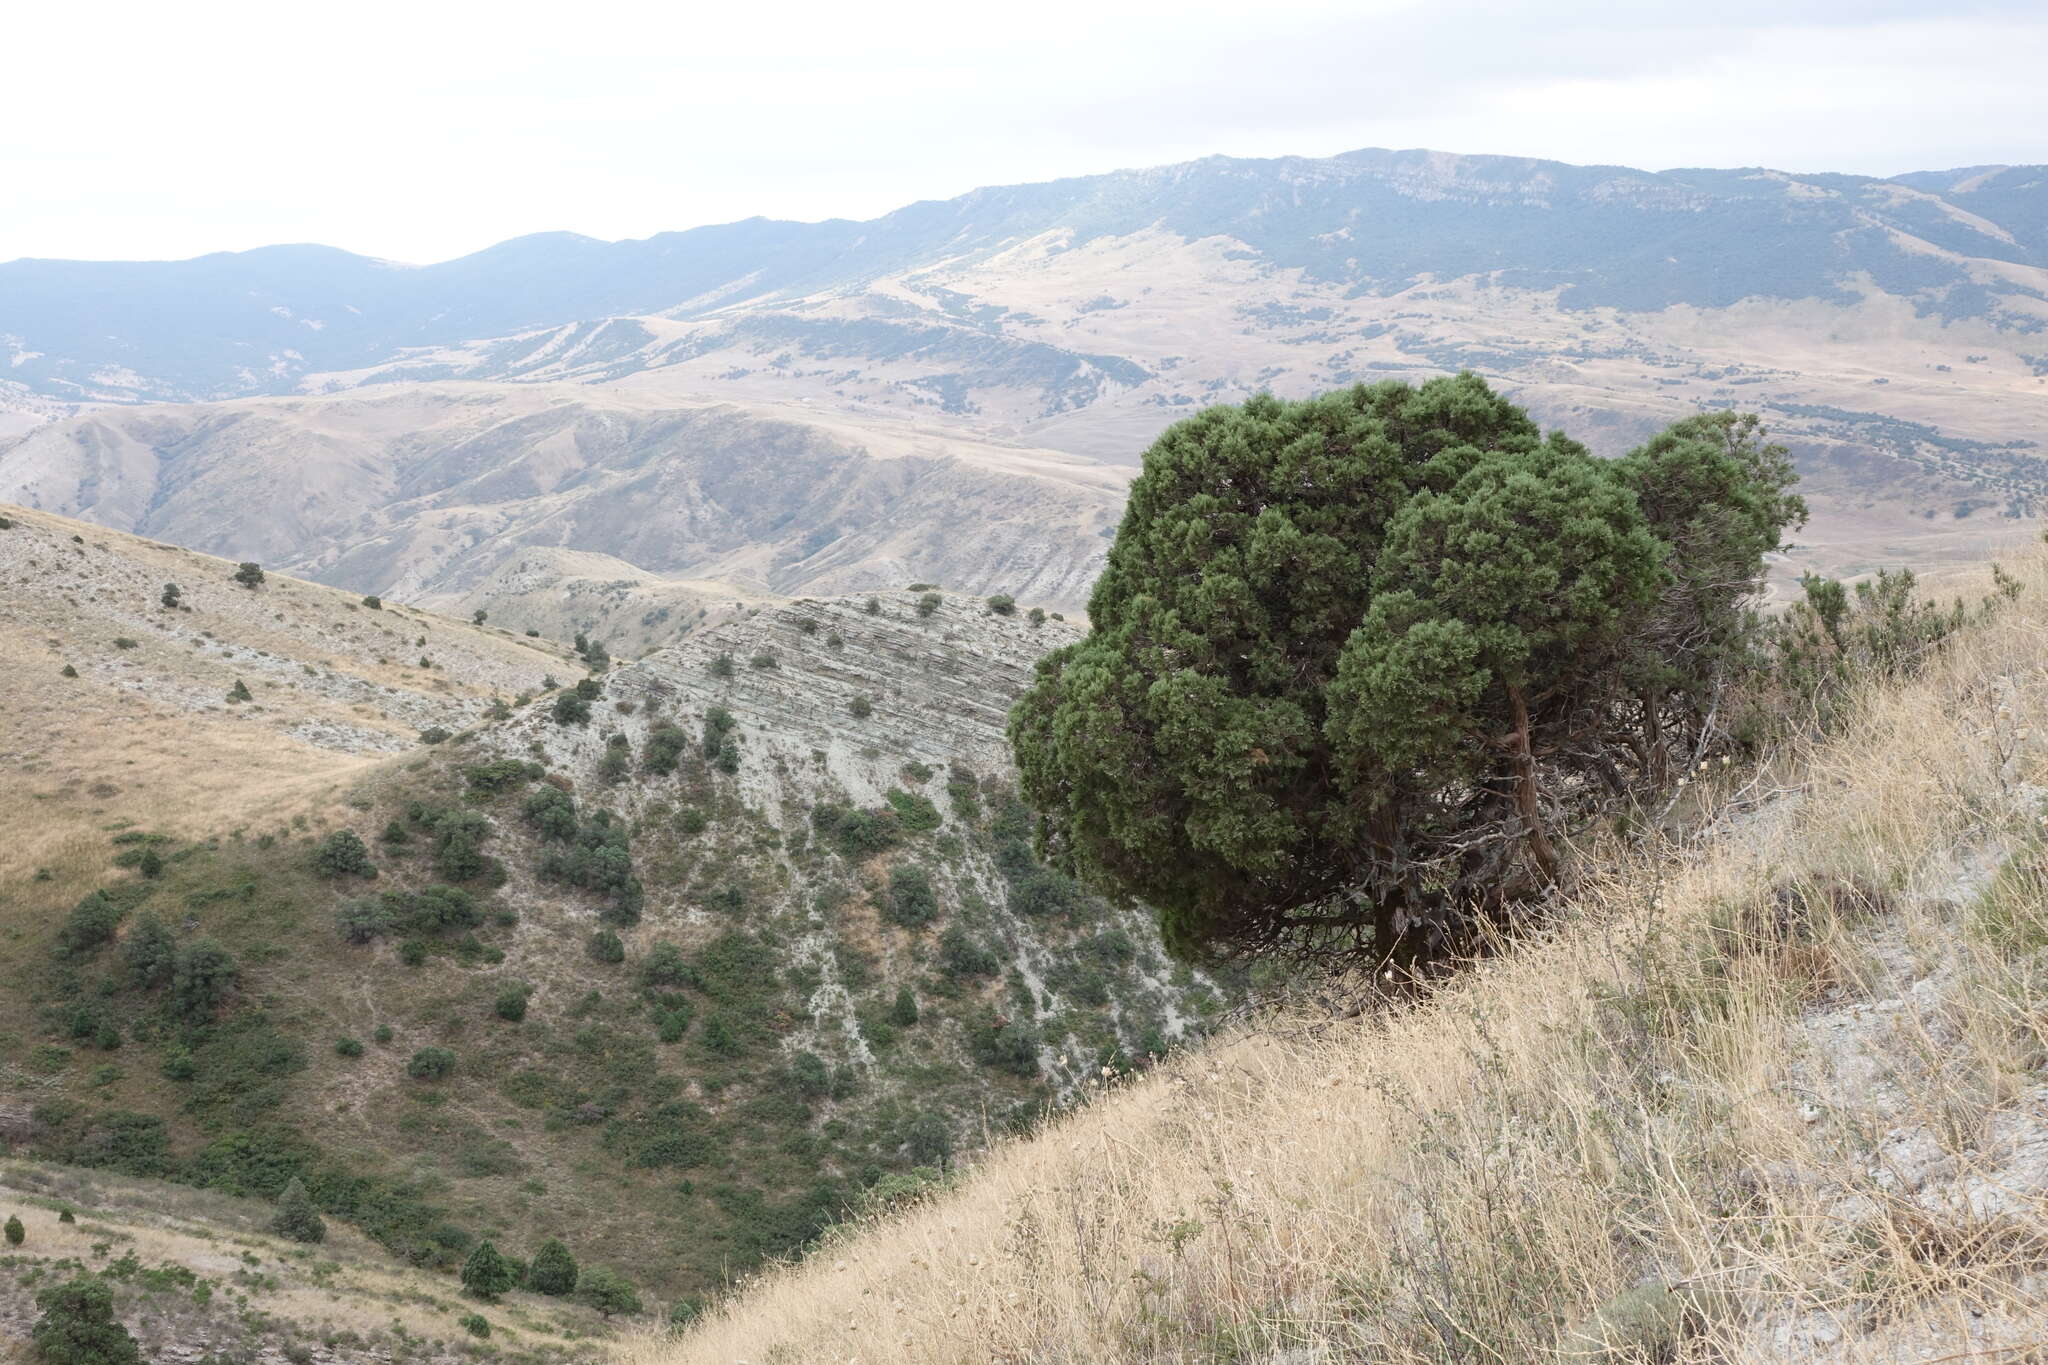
(423, 130)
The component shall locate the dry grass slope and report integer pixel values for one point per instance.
(1777, 1092)
(145, 734)
(265, 1298)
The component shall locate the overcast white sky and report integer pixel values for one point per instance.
(423, 130)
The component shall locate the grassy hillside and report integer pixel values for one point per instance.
(141, 729)
(197, 1275)
(700, 938)
(1775, 1090)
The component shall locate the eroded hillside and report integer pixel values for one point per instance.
(452, 495)
(743, 937)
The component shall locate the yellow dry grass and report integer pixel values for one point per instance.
(344, 1284)
(143, 735)
(1672, 1123)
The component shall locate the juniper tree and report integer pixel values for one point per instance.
(1354, 658)
(78, 1326)
(607, 1291)
(249, 574)
(16, 1234)
(553, 1271)
(296, 1217)
(485, 1274)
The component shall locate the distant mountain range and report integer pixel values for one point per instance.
(1372, 221)
(1894, 331)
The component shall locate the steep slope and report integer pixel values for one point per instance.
(146, 733)
(742, 937)
(439, 492)
(1775, 1092)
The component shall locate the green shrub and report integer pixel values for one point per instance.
(904, 1012)
(296, 1218)
(1004, 1046)
(664, 748)
(348, 1047)
(553, 812)
(1002, 604)
(928, 604)
(436, 734)
(607, 1291)
(476, 1324)
(366, 918)
(501, 774)
(171, 595)
(860, 707)
(69, 671)
(382, 1033)
(374, 602)
(343, 854)
(873, 607)
(912, 901)
(77, 1326)
(570, 708)
(89, 926)
(914, 813)
(605, 946)
(765, 659)
(249, 574)
(929, 1142)
(1037, 616)
(857, 834)
(203, 975)
(485, 1274)
(511, 1002)
(430, 1064)
(665, 966)
(553, 1270)
(15, 1232)
(722, 666)
(240, 693)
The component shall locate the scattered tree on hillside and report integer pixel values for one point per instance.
(1356, 659)
(296, 1217)
(171, 595)
(478, 616)
(78, 1326)
(607, 1291)
(202, 976)
(553, 1270)
(16, 1233)
(485, 1274)
(240, 692)
(343, 854)
(249, 574)
(1002, 604)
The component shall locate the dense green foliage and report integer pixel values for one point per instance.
(607, 1291)
(485, 1274)
(77, 1326)
(1355, 660)
(296, 1217)
(553, 1269)
(343, 854)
